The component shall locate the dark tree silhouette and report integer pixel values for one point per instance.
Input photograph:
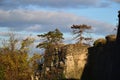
(79, 30)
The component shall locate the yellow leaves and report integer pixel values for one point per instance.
(26, 43)
(33, 61)
(15, 63)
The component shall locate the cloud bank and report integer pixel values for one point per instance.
(16, 15)
(12, 4)
(44, 21)
(117, 1)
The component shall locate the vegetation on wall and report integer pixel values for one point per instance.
(100, 59)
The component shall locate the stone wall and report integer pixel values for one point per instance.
(100, 60)
(76, 55)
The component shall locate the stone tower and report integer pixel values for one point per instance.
(116, 55)
(103, 62)
(118, 32)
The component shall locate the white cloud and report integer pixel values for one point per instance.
(3, 33)
(13, 4)
(60, 3)
(36, 27)
(44, 21)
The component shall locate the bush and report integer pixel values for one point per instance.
(110, 38)
(100, 42)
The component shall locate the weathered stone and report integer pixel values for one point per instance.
(76, 55)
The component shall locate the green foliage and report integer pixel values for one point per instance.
(52, 37)
(2, 72)
(51, 42)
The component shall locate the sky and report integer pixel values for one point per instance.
(33, 17)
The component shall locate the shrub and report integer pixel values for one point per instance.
(100, 42)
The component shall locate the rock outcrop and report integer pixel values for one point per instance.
(76, 55)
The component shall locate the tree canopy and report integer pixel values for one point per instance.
(14, 64)
(52, 37)
(79, 31)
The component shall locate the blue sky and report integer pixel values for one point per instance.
(39, 16)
